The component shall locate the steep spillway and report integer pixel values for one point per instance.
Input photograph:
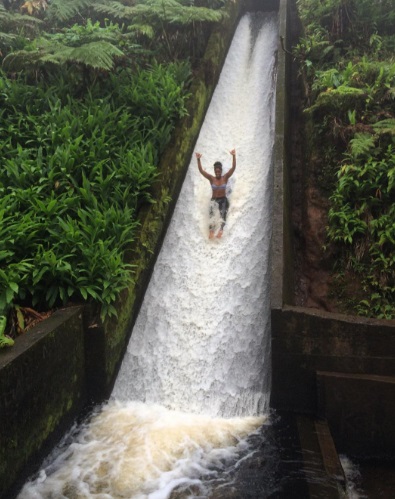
(195, 380)
(201, 341)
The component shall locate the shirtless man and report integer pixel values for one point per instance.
(218, 185)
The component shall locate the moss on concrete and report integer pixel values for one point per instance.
(42, 389)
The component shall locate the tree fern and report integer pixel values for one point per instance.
(171, 22)
(6, 39)
(61, 10)
(79, 34)
(11, 23)
(142, 29)
(171, 11)
(97, 55)
(22, 60)
(112, 9)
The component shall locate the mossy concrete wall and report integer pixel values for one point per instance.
(42, 389)
(323, 364)
(282, 257)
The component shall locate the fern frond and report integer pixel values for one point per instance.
(61, 10)
(21, 60)
(15, 27)
(73, 39)
(142, 29)
(112, 9)
(9, 19)
(6, 38)
(172, 11)
(59, 56)
(97, 55)
(385, 126)
(362, 144)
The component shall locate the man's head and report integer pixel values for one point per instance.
(218, 169)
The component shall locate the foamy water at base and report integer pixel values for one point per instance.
(134, 450)
(353, 478)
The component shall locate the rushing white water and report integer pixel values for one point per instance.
(196, 377)
(201, 341)
(353, 478)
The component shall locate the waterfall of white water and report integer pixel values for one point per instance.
(200, 346)
(201, 341)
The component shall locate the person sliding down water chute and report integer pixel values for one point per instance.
(218, 185)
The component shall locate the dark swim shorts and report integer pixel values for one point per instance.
(223, 206)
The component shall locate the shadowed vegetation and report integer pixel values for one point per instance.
(348, 65)
(90, 92)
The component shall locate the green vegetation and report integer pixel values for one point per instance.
(87, 106)
(349, 69)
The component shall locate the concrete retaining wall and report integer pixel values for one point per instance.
(42, 389)
(305, 341)
(339, 368)
(282, 258)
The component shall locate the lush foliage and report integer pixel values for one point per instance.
(90, 92)
(164, 28)
(348, 64)
(74, 176)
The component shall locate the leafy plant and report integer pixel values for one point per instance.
(362, 144)
(90, 46)
(85, 113)
(5, 341)
(75, 174)
(349, 70)
(60, 11)
(15, 28)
